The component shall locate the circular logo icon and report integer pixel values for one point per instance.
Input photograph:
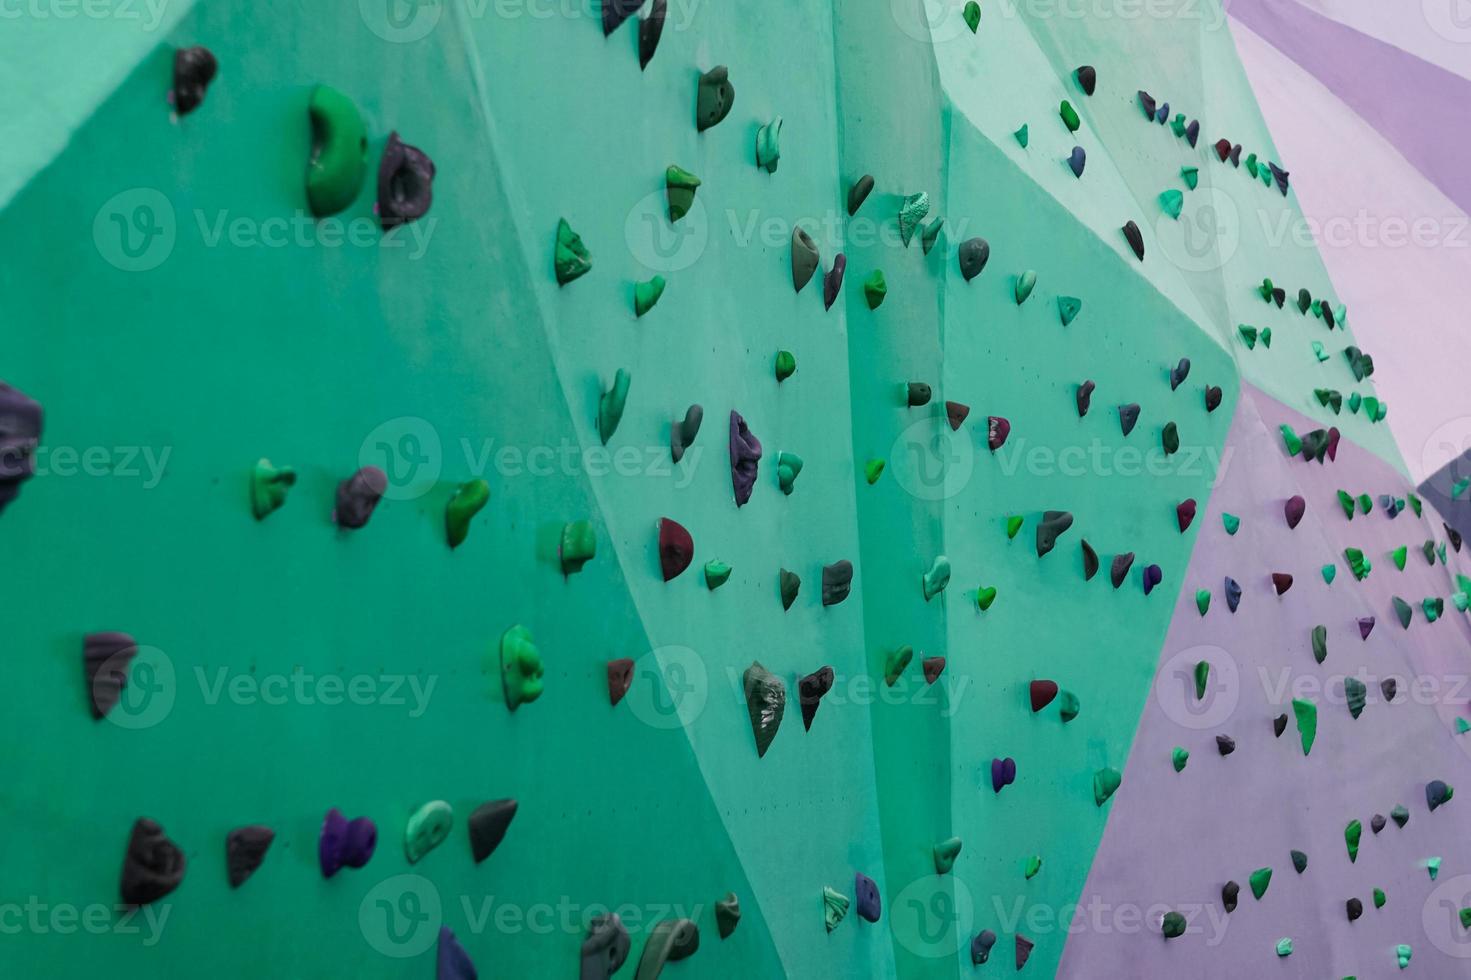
(1205, 236)
(1441, 917)
(407, 449)
(930, 21)
(401, 21)
(149, 687)
(400, 916)
(136, 230)
(670, 687)
(1444, 449)
(1451, 19)
(660, 245)
(933, 917)
(931, 461)
(1175, 688)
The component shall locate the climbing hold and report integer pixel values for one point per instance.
(1249, 335)
(1212, 397)
(997, 429)
(1432, 607)
(1320, 643)
(930, 234)
(1191, 176)
(1185, 513)
(676, 548)
(1128, 417)
(1090, 561)
(1025, 283)
(1153, 575)
(766, 702)
(1307, 722)
(1432, 865)
(1031, 867)
(1284, 946)
(972, 15)
(933, 582)
(1024, 948)
(153, 865)
(1279, 725)
(1172, 202)
(1389, 687)
(521, 669)
(1120, 569)
(1203, 600)
(105, 660)
(1041, 694)
(427, 829)
(1169, 439)
(1179, 373)
(810, 692)
(1225, 744)
(1085, 397)
(1136, 240)
(468, 500)
(670, 941)
(20, 435)
(606, 947)
(875, 289)
(911, 212)
(945, 854)
(1376, 823)
(488, 825)
(650, 29)
(358, 495)
(1231, 522)
(339, 156)
(895, 663)
(727, 914)
(1179, 757)
(1230, 893)
(1402, 951)
(646, 294)
(1260, 879)
(973, 254)
(194, 69)
(578, 546)
(1299, 861)
(786, 365)
(1021, 136)
(1068, 706)
(1147, 103)
(405, 183)
(1053, 523)
(1233, 593)
(714, 98)
(859, 192)
(981, 945)
(572, 258)
(1357, 563)
(788, 583)
(788, 467)
(1330, 572)
(745, 455)
(1202, 676)
(1105, 783)
(1068, 308)
(1281, 581)
(837, 580)
(615, 12)
(451, 961)
(1437, 793)
(805, 258)
(1354, 908)
(768, 145)
(1403, 611)
(1173, 925)
(345, 843)
(245, 849)
(1379, 898)
(611, 405)
(1077, 160)
(620, 679)
(682, 432)
(1293, 510)
(834, 907)
(1398, 556)
(956, 414)
(1400, 816)
(872, 470)
(985, 596)
(1192, 132)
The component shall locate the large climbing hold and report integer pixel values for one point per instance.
(358, 496)
(405, 183)
(1053, 524)
(745, 455)
(837, 580)
(428, 827)
(945, 854)
(766, 703)
(20, 436)
(670, 941)
(194, 69)
(805, 258)
(153, 865)
(488, 825)
(714, 98)
(345, 843)
(973, 255)
(105, 661)
(605, 949)
(468, 500)
(571, 259)
(245, 849)
(339, 156)
(676, 548)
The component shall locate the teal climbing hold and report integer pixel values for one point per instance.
(679, 189)
(834, 907)
(646, 294)
(572, 257)
(945, 854)
(1021, 135)
(1284, 946)
(911, 212)
(268, 487)
(1068, 308)
(1105, 782)
(1068, 706)
(1172, 201)
(933, 582)
(1231, 522)
(1330, 572)
(427, 829)
(521, 668)
(1402, 611)
(768, 145)
(1402, 954)
(1191, 176)
(468, 500)
(788, 466)
(610, 406)
(930, 234)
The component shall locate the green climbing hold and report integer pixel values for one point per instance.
(610, 406)
(679, 188)
(468, 500)
(1013, 525)
(1032, 866)
(1203, 600)
(1330, 572)
(1403, 611)
(930, 234)
(1173, 925)
(1319, 351)
(717, 573)
(1284, 946)
(945, 854)
(1402, 955)
(1351, 835)
(911, 212)
(646, 294)
(1399, 555)
(1191, 176)
(572, 257)
(1179, 757)
(1251, 164)
(1177, 125)
(1346, 501)
(875, 289)
(1105, 782)
(578, 546)
(1290, 440)
(1231, 522)
(1069, 116)
(1355, 400)
(834, 907)
(1025, 283)
(1172, 201)
(985, 596)
(1169, 439)
(1202, 676)
(1357, 563)
(872, 470)
(1462, 726)
(1465, 915)
(768, 145)
(1379, 898)
(1414, 504)
(1432, 608)
(1459, 487)
(1248, 334)
(1355, 694)
(1320, 643)
(1306, 714)
(1021, 134)
(788, 466)
(1329, 398)
(521, 669)
(895, 663)
(786, 365)
(339, 157)
(427, 829)
(1068, 308)
(1432, 865)
(1260, 879)
(972, 15)
(268, 487)
(933, 582)
(1068, 706)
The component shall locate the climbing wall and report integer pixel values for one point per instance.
(600, 489)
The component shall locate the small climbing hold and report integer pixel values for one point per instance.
(1432, 865)
(1153, 575)
(572, 259)
(1147, 103)
(1279, 725)
(875, 289)
(1172, 202)
(1231, 522)
(405, 183)
(194, 69)
(427, 828)
(1212, 397)
(1284, 946)
(1178, 758)
(788, 583)
(985, 596)
(1025, 283)
(997, 429)
(1281, 581)
(1087, 77)
(834, 907)
(1179, 373)
(956, 414)
(832, 282)
(1299, 861)
(745, 455)
(1330, 572)
(1068, 308)
(766, 703)
(1357, 563)
(1203, 600)
(451, 962)
(676, 548)
(1120, 569)
(1173, 925)
(620, 679)
(810, 692)
(788, 468)
(468, 500)
(1379, 898)
(1041, 694)
(972, 15)
(786, 365)
(917, 394)
(912, 211)
(1136, 239)
(358, 495)
(1185, 513)
(1068, 706)
(682, 432)
(670, 941)
(339, 155)
(1354, 908)
(872, 470)
(1307, 722)
(895, 663)
(1437, 793)
(1021, 136)
(345, 843)
(1169, 439)
(837, 581)
(105, 661)
(1260, 879)
(615, 12)
(606, 947)
(973, 254)
(1400, 816)
(859, 192)
(870, 903)
(611, 405)
(578, 546)
(933, 582)
(1398, 556)
(713, 98)
(1402, 953)
(153, 865)
(1106, 782)
(1389, 687)
(1191, 176)
(1084, 397)
(245, 849)
(1090, 561)
(1024, 948)
(20, 435)
(1031, 867)
(945, 854)
(932, 668)
(1177, 125)
(646, 294)
(1077, 160)
(1403, 611)
(1053, 523)
(1320, 643)
(1192, 132)
(1202, 677)
(488, 824)
(1128, 417)
(521, 669)
(1225, 744)
(1230, 895)
(805, 258)
(981, 945)
(1294, 509)
(650, 30)
(930, 234)
(768, 145)
(727, 915)
(1249, 335)
(1233, 593)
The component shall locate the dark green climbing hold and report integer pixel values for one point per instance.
(1191, 176)
(1068, 706)
(1248, 334)
(789, 584)
(646, 294)
(768, 146)
(1379, 898)
(679, 188)
(1329, 398)
(1260, 879)
(1306, 714)
(786, 365)
(1299, 861)
(521, 669)
(572, 257)
(717, 573)
(1356, 693)
(1021, 136)
(1170, 439)
(468, 500)
(972, 15)
(1068, 308)
(788, 467)
(1320, 643)
(875, 289)
(578, 546)
(1202, 676)
(1105, 783)
(1173, 925)
(339, 157)
(268, 487)
(1432, 607)
(1053, 524)
(930, 234)
(973, 255)
(610, 406)
(895, 663)
(1025, 283)
(1403, 611)
(1172, 201)
(859, 192)
(1304, 300)
(766, 703)
(714, 98)
(1069, 116)
(1090, 561)
(1179, 757)
(911, 212)
(945, 854)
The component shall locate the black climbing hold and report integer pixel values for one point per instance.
(837, 580)
(727, 915)
(1225, 744)
(405, 183)
(956, 413)
(1279, 724)
(1236, 155)
(1212, 397)
(153, 866)
(1279, 296)
(20, 435)
(745, 455)
(1085, 397)
(1136, 239)
(973, 255)
(683, 432)
(1180, 372)
(859, 192)
(1453, 536)
(620, 679)
(1169, 438)
(1053, 523)
(615, 12)
(1377, 823)
(358, 495)
(1281, 581)
(1120, 569)
(105, 660)
(715, 97)
(1087, 78)
(766, 703)
(1229, 893)
(1436, 794)
(1389, 687)
(918, 393)
(788, 583)
(245, 849)
(1299, 861)
(488, 825)
(811, 690)
(1305, 303)
(650, 29)
(980, 946)
(1128, 417)
(606, 947)
(194, 69)
(1090, 561)
(1280, 176)
(832, 282)
(1354, 908)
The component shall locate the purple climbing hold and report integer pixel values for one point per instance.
(1128, 417)
(1147, 103)
(1153, 575)
(405, 183)
(1023, 950)
(1366, 626)
(1120, 570)
(20, 434)
(832, 282)
(1077, 160)
(1003, 773)
(745, 455)
(997, 429)
(811, 690)
(980, 946)
(452, 962)
(1192, 132)
(358, 495)
(1185, 513)
(153, 865)
(1180, 372)
(870, 905)
(105, 661)
(1293, 510)
(1233, 593)
(615, 12)
(345, 843)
